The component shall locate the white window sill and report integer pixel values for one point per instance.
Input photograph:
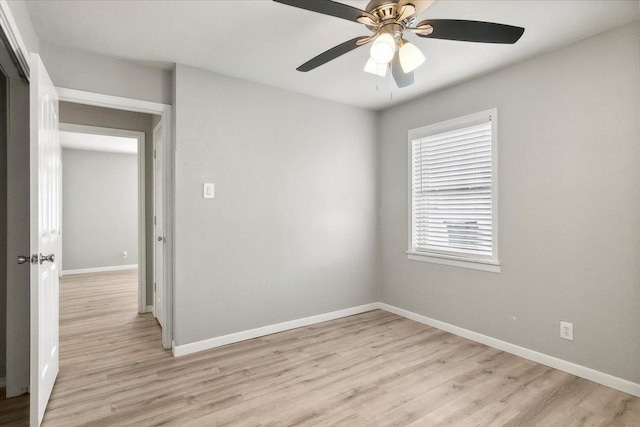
(490, 266)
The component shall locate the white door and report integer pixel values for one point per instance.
(45, 196)
(158, 198)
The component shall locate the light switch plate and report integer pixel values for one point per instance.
(207, 190)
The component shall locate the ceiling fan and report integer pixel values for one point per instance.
(389, 20)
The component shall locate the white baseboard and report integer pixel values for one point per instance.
(148, 309)
(181, 350)
(99, 269)
(544, 359)
(3, 382)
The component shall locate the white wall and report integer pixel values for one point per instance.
(569, 206)
(292, 230)
(99, 209)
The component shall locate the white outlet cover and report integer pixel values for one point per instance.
(208, 190)
(566, 331)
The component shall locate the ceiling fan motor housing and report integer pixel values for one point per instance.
(394, 29)
(387, 13)
(384, 9)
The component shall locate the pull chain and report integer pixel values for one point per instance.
(391, 82)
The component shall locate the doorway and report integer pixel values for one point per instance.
(24, 333)
(103, 220)
(91, 109)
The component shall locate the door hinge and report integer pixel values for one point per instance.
(154, 220)
(154, 286)
(154, 154)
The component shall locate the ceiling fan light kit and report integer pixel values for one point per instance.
(372, 67)
(383, 48)
(410, 56)
(389, 20)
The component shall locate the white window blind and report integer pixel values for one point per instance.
(452, 192)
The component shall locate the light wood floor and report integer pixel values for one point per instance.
(373, 369)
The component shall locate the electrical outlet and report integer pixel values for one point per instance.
(566, 331)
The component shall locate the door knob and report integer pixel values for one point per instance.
(49, 258)
(160, 238)
(24, 259)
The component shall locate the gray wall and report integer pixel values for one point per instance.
(116, 119)
(291, 231)
(99, 209)
(569, 150)
(76, 69)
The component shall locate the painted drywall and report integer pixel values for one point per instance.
(569, 206)
(22, 17)
(99, 209)
(76, 69)
(291, 231)
(117, 119)
(82, 70)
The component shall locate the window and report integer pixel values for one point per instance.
(454, 192)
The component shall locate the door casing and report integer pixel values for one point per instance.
(165, 112)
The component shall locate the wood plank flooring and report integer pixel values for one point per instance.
(14, 411)
(373, 369)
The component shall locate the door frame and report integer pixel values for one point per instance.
(17, 242)
(19, 48)
(142, 230)
(15, 44)
(166, 114)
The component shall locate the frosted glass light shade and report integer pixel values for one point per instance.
(383, 48)
(410, 57)
(373, 67)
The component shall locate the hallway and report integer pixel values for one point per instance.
(102, 339)
(101, 336)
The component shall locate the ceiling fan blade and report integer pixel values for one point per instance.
(332, 54)
(328, 7)
(472, 31)
(402, 79)
(419, 5)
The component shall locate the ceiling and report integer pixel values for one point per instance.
(93, 142)
(264, 42)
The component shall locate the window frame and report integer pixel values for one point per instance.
(484, 264)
